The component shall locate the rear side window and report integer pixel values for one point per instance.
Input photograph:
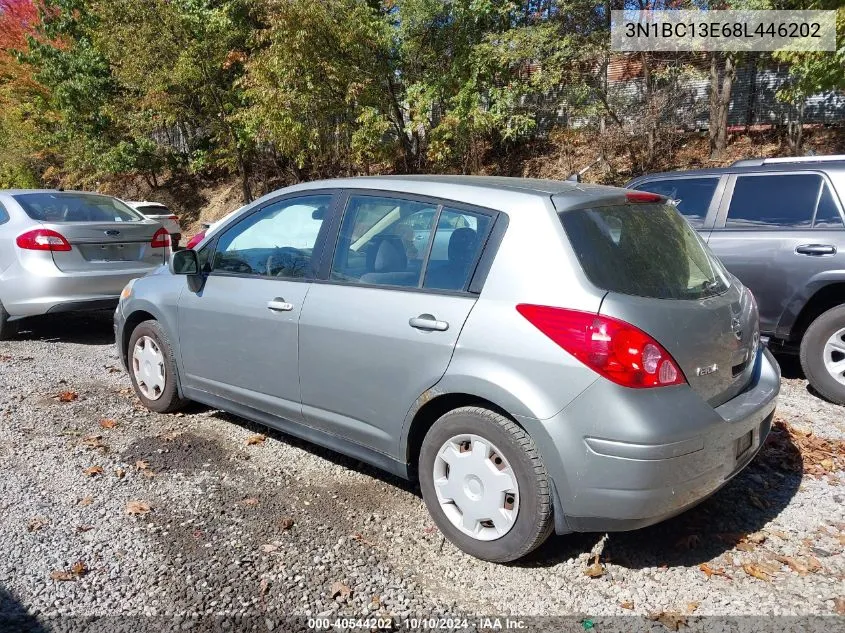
(646, 250)
(827, 214)
(774, 201)
(4, 215)
(692, 196)
(75, 207)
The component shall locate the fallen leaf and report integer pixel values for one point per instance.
(255, 439)
(756, 537)
(596, 570)
(137, 507)
(62, 575)
(119, 473)
(108, 423)
(813, 564)
(67, 396)
(760, 571)
(781, 535)
(745, 547)
(376, 600)
(757, 502)
(628, 604)
(670, 619)
(86, 501)
(93, 441)
(142, 465)
(713, 571)
(339, 589)
(286, 523)
(362, 539)
(84, 528)
(839, 605)
(113, 370)
(79, 568)
(689, 542)
(36, 523)
(93, 471)
(692, 607)
(794, 564)
(250, 501)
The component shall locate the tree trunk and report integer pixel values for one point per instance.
(795, 130)
(720, 99)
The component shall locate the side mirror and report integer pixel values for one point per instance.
(184, 262)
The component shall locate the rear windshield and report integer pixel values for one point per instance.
(75, 207)
(647, 250)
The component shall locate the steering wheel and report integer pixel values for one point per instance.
(281, 260)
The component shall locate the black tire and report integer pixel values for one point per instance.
(169, 400)
(8, 329)
(534, 516)
(812, 354)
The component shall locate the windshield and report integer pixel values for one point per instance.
(647, 250)
(75, 207)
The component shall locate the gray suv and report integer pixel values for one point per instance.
(574, 358)
(778, 225)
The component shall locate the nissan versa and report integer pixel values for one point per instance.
(540, 355)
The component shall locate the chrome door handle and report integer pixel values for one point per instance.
(428, 322)
(816, 249)
(279, 305)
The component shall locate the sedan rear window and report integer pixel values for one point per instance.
(75, 207)
(646, 250)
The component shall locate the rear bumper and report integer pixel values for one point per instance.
(624, 458)
(41, 288)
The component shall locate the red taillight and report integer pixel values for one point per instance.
(196, 239)
(42, 240)
(161, 239)
(615, 349)
(173, 217)
(642, 196)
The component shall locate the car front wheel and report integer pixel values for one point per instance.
(823, 354)
(485, 484)
(152, 368)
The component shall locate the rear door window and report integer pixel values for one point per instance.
(457, 245)
(646, 250)
(692, 196)
(383, 241)
(774, 201)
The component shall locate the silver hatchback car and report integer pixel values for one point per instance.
(539, 355)
(64, 251)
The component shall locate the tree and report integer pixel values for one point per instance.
(180, 62)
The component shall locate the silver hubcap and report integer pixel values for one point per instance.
(148, 367)
(476, 487)
(834, 356)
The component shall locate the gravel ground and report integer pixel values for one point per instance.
(282, 527)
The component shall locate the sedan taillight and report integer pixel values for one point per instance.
(42, 240)
(615, 349)
(161, 239)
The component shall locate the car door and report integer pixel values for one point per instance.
(696, 197)
(381, 329)
(238, 332)
(771, 233)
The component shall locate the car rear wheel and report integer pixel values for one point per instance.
(152, 368)
(485, 484)
(8, 329)
(823, 354)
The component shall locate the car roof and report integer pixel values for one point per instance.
(473, 189)
(751, 166)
